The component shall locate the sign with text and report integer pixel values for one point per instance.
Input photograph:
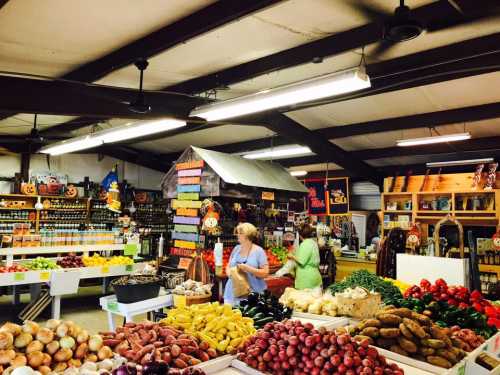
(316, 199)
(267, 196)
(338, 196)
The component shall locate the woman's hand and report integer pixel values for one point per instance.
(244, 267)
(291, 256)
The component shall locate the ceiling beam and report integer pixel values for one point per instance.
(142, 158)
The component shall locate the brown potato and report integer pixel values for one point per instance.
(426, 351)
(433, 343)
(402, 312)
(398, 349)
(421, 318)
(406, 332)
(438, 361)
(389, 333)
(385, 343)
(448, 354)
(370, 323)
(370, 332)
(389, 319)
(459, 343)
(414, 327)
(361, 338)
(407, 345)
(440, 334)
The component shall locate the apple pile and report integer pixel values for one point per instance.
(13, 268)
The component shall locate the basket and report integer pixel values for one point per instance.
(196, 300)
(360, 308)
(171, 277)
(136, 292)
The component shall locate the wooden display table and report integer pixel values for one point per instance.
(346, 266)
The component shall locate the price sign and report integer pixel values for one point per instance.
(130, 249)
(112, 306)
(461, 370)
(129, 268)
(179, 301)
(19, 276)
(44, 276)
(105, 269)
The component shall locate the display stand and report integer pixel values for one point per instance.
(129, 310)
(62, 282)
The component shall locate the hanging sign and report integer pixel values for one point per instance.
(338, 196)
(316, 199)
(186, 228)
(187, 212)
(190, 165)
(267, 195)
(185, 204)
(185, 244)
(188, 196)
(188, 180)
(189, 173)
(185, 236)
(187, 220)
(188, 188)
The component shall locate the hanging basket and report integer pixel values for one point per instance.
(449, 220)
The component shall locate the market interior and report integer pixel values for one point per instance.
(247, 187)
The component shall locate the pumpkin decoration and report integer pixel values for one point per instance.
(28, 189)
(414, 238)
(46, 204)
(198, 269)
(71, 192)
(141, 197)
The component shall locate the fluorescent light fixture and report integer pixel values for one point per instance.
(298, 173)
(71, 145)
(138, 129)
(119, 133)
(435, 139)
(459, 162)
(279, 152)
(298, 92)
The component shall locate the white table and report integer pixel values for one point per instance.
(129, 310)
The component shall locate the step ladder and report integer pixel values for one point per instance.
(36, 307)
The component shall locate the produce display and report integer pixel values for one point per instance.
(401, 285)
(369, 281)
(135, 280)
(281, 253)
(51, 348)
(310, 301)
(41, 263)
(357, 302)
(409, 333)
(71, 261)
(193, 288)
(13, 268)
(273, 260)
(149, 344)
(98, 260)
(295, 348)
(264, 308)
(467, 339)
(221, 326)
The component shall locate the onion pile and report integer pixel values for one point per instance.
(299, 349)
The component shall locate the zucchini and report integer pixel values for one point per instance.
(251, 313)
(262, 321)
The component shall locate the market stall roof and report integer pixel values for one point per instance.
(240, 171)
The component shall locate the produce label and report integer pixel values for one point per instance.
(19, 276)
(129, 268)
(190, 165)
(185, 204)
(186, 228)
(179, 300)
(130, 249)
(186, 220)
(188, 180)
(185, 236)
(44, 276)
(191, 212)
(184, 263)
(189, 173)
(105, 269)
(461, 370)
(188, 196)
(338, 196)
(185, 244)
(188, 188)
(112, 306)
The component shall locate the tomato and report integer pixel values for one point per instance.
(434, 289)
(462, 305)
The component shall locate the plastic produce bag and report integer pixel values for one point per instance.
(241, 287)
(287, 269)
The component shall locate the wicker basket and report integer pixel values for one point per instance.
(196, 300)
(360, 308)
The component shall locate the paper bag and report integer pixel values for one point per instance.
(241, 287)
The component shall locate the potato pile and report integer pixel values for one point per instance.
(411, 334)
(52, 348)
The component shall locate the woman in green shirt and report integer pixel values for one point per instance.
(307, 275)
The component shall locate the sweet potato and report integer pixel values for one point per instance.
(439, 361)
(389, 333)
(179, 363)
(406, 332)
(158, 344)
(167, 357)
(147, 349)
(188, 349)
(111, 342)
(369, 323)
(372, 332)
(176, 350)
(389, 319)
(212, 352)
(414, 327)
(202, 355)
(407, 345)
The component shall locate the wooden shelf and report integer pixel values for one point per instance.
(20, 209)
(398, 193)
(64, 209)
(63, 220)
(397, 212)
(433, 212)
(17, 220)
(475, 212)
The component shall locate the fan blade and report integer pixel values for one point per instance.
(372, 11)
(462, 20)
(383, 46)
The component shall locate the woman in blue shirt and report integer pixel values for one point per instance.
(249, 258)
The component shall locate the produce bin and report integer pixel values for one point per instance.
(136, 292)
(171, 277)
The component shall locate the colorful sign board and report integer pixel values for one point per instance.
(190, 165)
(188, 196)
(185, 244)
(187, 212)
(338, 196)
(186, 228)
(192, 237)
(189, 173)
(185, 204)
(316, 199)
(188, 188)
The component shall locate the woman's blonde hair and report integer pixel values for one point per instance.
(248, 230)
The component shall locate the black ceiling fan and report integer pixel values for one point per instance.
(402, 25)
(139, 105)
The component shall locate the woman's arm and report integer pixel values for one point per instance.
(303, 254)
(257, 272)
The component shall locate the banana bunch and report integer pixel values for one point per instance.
(221, 326)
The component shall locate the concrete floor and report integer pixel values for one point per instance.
(83, 309)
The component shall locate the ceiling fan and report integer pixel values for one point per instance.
(139, 105)
(402, 25)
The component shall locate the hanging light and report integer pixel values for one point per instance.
(298, 92)
(459, 162)
(298, 173)
(279, 152)
(434, 139)
(71, 145)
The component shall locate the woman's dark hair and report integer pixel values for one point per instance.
(307, 231)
